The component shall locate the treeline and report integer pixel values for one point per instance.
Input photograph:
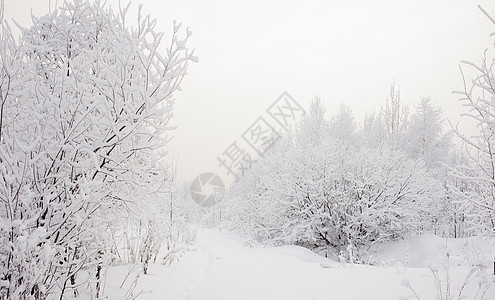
(333, 183)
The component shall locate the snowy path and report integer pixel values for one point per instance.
(238, 272)
(222, 268)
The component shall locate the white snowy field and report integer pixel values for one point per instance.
(222, 267)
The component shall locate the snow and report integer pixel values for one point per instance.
(423, 250)
(222, 267)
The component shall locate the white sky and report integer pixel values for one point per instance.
(344, 51)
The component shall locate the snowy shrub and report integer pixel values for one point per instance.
(85, 105)
(342, 197)
(326, 192)
(472, 281)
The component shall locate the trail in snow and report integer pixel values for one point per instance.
(201, 274)
(223, 268)
(239, 272)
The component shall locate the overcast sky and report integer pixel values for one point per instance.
(344, 51)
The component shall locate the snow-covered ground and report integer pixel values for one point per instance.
(222, 267)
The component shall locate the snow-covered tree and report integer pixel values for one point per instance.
(458, 220)
(478, 192)
(86, 102)
(426, 140)
(425, 136)
(395, 116)
(372, 132)
(313, 127)
(342, 124)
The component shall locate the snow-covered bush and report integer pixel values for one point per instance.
(316, 190)
(86, 102)
(337, 195)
